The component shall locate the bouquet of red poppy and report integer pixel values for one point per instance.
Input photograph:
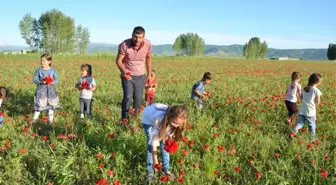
(171, 146)
(85, 84)
(127, 76)
(48, 80)
(208, 94)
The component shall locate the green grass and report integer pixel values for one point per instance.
(245, 123)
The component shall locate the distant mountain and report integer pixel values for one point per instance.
(235, 50)
(13, 48)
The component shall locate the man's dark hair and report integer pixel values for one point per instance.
(207, 76)
(139, 30)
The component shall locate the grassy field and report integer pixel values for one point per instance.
(241, 137)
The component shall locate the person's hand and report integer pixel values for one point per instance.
(157, 167)
(43, 82)
(127, 76)
(149, 78)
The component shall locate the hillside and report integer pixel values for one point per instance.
(210, 50)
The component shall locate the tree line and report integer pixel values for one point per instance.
(191, 44)
(54, 32)
(331, 54)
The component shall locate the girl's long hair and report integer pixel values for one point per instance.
(313, 79)
(175, 111)
(295, 76)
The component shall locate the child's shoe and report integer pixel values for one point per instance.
(150, 177)
(170, 174)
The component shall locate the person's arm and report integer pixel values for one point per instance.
(318, 96)
(155, 141)
(198, 92)
(299, 92)
(318, 99)
(149, 63)
(78, 85)
(55, 77)
(36, 79)
(120, 58)
(93, 88)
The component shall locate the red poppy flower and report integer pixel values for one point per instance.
(114, 154)
(181, 173)
(258, 175)
(215, 135)
(310, 146)
(44, 118)
(127, 76)
(191, 142)
(48, 80)
(22, 150)
(164, 178)
(157, 166)
(102, 181)
(233, 151)
(110, 172)
(171, 146)
(2, 113)
(316, 142)
(26, 129)
(237, 169)
(101, 165)
(180, 161)
(117, 183)
(85, 84)
(7, 145)
(220, 148)
(196, 165)
(324, 173)
(277, 155)
(180, 180)
(44, 138)
(185, 139)
(184, 153)
(100, 155)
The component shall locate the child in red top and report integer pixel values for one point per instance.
(151, 89)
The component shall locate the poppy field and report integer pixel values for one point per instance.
(240, 137)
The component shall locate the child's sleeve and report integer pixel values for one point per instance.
(79, 82)
(55, 77)
(122, 49)
(36, 79)
(318, 92)
(93, 82)
(198, 87)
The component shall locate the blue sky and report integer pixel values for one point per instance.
(282, 23)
